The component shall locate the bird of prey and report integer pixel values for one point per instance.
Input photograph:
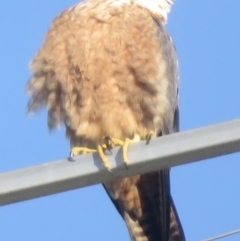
(108, 70)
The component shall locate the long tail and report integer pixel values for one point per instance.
(147, 207)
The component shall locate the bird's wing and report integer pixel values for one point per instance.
(145, 201)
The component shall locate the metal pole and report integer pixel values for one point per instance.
(168, 151)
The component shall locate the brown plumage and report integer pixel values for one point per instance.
(108, 68)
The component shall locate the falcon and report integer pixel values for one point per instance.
(108, 70)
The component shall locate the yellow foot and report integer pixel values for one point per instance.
(126, 143)
(84, 150)
(109, 143)
(81, 150)
(101, 149)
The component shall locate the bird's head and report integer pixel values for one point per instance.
(158, 8)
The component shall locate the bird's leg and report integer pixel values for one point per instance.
(103, 158)
(84, 150)
(124, 151)
(81, 150)
(128, 141)
(109, 143)
(101, 149)
(125, 145)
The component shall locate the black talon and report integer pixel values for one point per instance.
(149, 137)
(109, 143)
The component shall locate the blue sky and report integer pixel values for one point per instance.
(207, 36)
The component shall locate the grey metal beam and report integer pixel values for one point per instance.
(168, 151)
